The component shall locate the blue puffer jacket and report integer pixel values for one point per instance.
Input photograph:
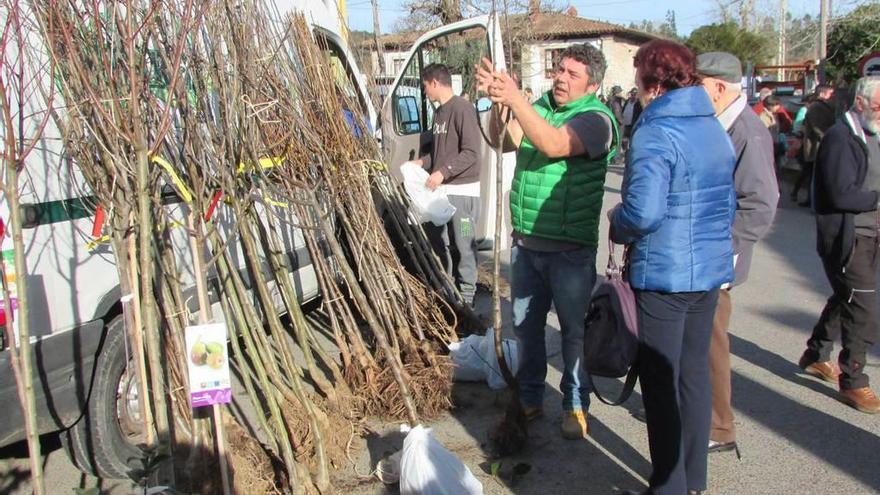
(678, 197)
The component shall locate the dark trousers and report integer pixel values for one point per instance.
(674, 334)
(850, 314)
(723, 428)
(805, 178)
(456, 245)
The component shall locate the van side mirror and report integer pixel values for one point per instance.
(407, 115)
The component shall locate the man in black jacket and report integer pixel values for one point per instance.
(820, 117)
(847, 203)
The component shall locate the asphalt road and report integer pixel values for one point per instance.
(794, 435)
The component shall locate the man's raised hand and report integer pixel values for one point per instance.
(485, 74)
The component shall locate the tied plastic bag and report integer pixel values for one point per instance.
(428, 206)
(427, 468)
(474, 360)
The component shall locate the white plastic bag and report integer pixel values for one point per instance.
(428, 206)
(468, 364)
(493, 371)
(474, 359)
(427, 468)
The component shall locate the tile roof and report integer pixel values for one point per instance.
(554, 25)
(543, 26)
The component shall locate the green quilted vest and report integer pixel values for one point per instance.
(560, 198)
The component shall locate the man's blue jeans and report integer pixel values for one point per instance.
(566, 280)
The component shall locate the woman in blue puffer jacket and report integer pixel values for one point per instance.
(677, 208)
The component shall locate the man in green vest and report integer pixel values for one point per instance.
(565, 141)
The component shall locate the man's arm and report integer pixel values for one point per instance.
(553, 142)
(646, 190)
(835, 172)
(757, 192)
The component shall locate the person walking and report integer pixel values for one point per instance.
(454, 167)
(676, 212)
(631, 111)
(847, 205)
(762, 95)
(757, 195)
(805, 175)
(819, 118)
(615, 103)
(565, 142)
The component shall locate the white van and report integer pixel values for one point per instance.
(80, 361)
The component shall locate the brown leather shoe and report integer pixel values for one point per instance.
(825, 370)
(862, 399)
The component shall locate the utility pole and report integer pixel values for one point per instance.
(823, 29)
(379, 51)
(780, 54)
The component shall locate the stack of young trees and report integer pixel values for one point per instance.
(210, 133)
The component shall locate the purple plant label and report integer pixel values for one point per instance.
(211, 397)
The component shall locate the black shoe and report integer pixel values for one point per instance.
(724, 447)
(805, 204)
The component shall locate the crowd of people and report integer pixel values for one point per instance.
(699, 191)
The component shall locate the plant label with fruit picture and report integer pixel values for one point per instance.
(8, 259)
(208, 363)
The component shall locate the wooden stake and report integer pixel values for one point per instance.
(195, 226)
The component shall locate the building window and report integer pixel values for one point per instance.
(550, 59)
(397, 64)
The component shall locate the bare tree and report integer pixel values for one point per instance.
(25, 103)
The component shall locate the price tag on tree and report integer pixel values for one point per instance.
(208, 363)
(10, 314)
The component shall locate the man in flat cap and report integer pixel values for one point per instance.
(757, 194)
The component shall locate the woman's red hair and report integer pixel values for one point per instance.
(666, 65)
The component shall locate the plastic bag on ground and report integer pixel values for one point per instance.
(428, 206)
(474, 359)
(427, 468)
(467, 360)
(493, 371)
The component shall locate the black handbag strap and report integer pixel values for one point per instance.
(629, 384)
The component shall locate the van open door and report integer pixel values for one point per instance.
(407, 114)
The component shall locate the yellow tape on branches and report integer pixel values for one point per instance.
(175, 179)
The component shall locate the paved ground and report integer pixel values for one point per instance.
(794, 435)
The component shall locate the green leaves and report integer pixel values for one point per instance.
(852, 37)
(729, 37)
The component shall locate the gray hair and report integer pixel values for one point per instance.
(866, 87)
(590, 56)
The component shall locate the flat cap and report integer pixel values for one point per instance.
(720, 65)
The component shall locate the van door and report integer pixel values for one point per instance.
(407, 115)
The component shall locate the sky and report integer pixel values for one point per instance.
(689, 14)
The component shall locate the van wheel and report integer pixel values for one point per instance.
(104, 442)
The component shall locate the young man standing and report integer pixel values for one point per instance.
(565, 142)
(453, 165)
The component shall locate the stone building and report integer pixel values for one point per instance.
(550, 33)
(539, 38)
